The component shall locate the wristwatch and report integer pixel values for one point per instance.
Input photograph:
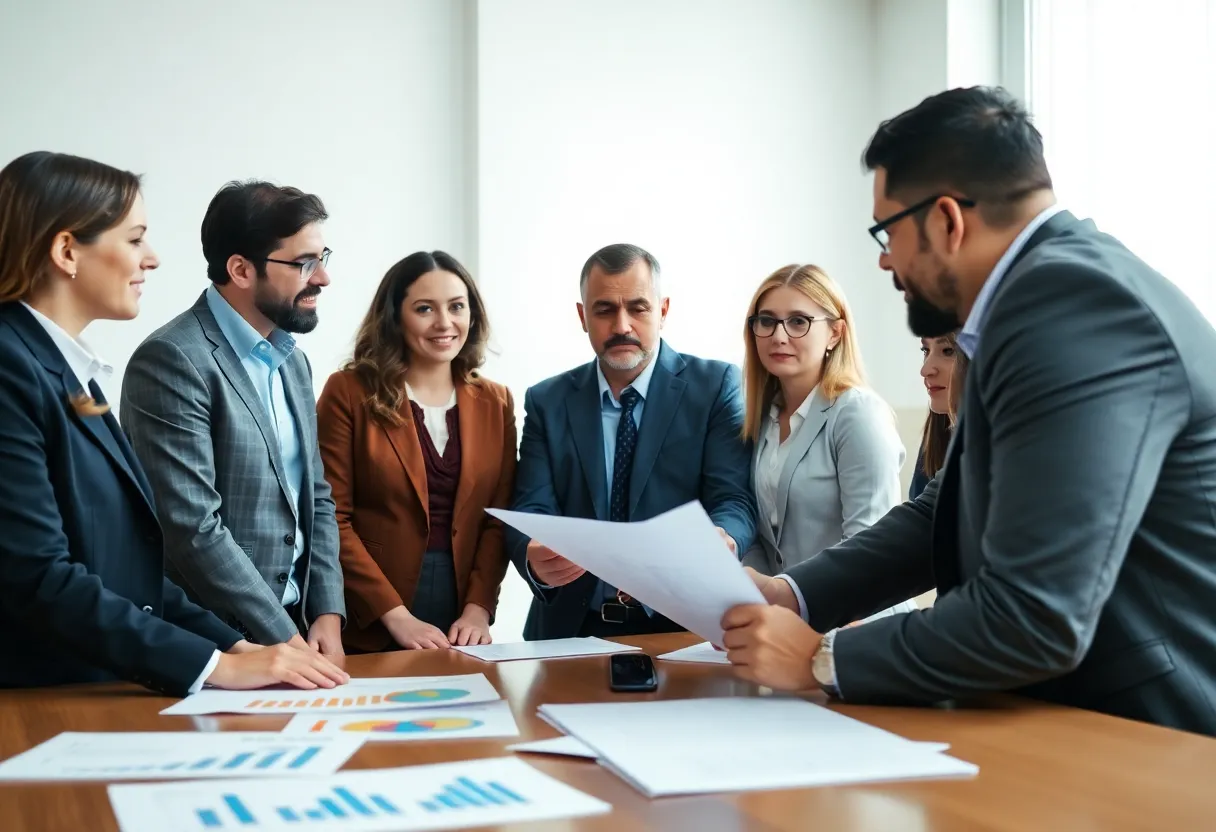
(823, 665)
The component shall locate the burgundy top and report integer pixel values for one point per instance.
(442, 475)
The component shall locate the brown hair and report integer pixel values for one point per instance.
(936, 436)
(380, 357)
(43, 194)
(842, 368)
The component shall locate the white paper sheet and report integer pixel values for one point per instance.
(371, 694)
(559, 746)
(457, 722)
(555, 648)
(703, 653)
(475, 793)
(697, 746)
(143, 755)
(675, 563)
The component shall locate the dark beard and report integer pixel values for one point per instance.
(927, 321)
(285, 314)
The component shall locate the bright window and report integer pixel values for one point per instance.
(1124, 92)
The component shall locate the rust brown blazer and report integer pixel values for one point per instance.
(379, 486)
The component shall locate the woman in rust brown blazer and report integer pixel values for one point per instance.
(416, 446)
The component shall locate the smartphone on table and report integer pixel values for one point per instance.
(632, 673)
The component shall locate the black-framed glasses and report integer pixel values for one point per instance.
(307, 267)
(795, 326)
(879, 230)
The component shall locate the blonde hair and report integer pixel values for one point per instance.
(842, 367)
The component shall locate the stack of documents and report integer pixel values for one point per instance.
(676, 563)
(698, 746)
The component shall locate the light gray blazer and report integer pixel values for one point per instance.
(841, 475)
(210, 451)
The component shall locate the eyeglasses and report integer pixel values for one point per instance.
(879, 230)
(795, 326)
(307, 267)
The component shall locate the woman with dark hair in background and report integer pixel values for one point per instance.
(416, 446)
(83, 596)
(943, 370)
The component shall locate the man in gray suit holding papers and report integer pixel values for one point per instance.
(219, 406)
(1071, 535)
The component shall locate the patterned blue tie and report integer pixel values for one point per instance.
(622, 465)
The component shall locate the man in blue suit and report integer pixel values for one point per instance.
(637, 432)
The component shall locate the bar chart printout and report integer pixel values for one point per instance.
(445, 796)
(161, 756)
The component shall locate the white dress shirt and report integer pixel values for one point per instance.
(435, 418)
(87, 366)
(774, 452)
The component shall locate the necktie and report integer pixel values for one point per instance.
(622, 465)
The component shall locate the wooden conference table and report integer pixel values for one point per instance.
(1041, 767)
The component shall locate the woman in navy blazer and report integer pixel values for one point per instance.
(83, 597)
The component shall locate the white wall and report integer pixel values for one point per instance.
(353, 102)
(722, 137)
(520, 136)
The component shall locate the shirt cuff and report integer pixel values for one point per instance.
(536, 581)
(207, 671)
(829, 645)
(905, 606)
(802, 610)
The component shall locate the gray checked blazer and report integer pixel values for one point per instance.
(209, 447)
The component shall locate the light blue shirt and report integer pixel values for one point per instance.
(610, 420)
(969, 336)
(263, 360)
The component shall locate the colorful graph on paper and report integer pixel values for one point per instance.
(487, 719)
(158, 756)
(359, 695)
(470, 793)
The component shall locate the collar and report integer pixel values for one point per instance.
(969, 336)
(775, 408)
(641, 384)
(409, 392)
(243, 338)
(85, 363)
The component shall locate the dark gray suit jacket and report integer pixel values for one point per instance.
(211, 453)
(1071, 534)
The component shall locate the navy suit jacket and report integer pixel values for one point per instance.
(689, 448)
(83, 596)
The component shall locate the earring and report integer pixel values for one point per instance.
(827, 353)
(72, 275)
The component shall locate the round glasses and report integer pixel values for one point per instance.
(795, 326)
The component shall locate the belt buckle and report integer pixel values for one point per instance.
(616, 609)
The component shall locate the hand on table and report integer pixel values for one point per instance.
(473, 627)
(279, 664)
(325, 636)
(411, 632)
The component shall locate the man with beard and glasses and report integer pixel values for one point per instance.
(640, 430)
(1071, 534)
(219, 407)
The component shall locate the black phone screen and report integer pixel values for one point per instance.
(632, 672)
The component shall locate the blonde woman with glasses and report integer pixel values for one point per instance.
(827, 456)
